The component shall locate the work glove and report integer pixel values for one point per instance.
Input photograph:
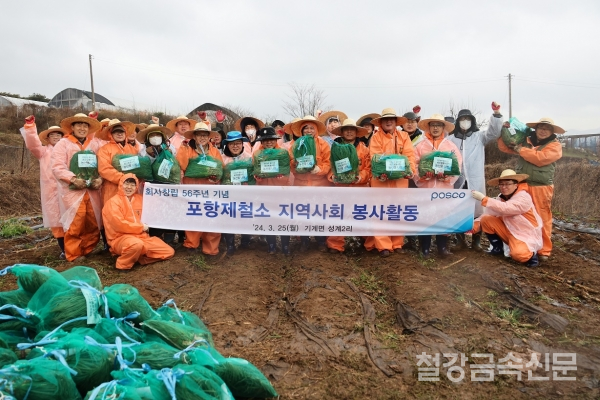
(382, 177)
(202, 115)
(155, 120)
(145, 228)
(428, 176)
(220, 116)
(441, 177)
(79, 183)
(417, 110)
(315, 170)
(318, 114)
(96, 183)
(409, 176)
(30, 120)
(496, 107)
(93, 115)
(477, 195)
(213, 179)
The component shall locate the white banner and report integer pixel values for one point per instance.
(307, 211)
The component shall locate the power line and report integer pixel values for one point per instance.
(326, 86)
(559, 83)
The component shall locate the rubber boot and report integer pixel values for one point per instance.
(272, 242)
(61, 244)
(104, 240)
(411, 243)
(304, 243)
(322, 246)
(442, 246)
(533, 261)
(230, 242)
(461, 241)
(497, 245)
(425, 242)
(476, 245)
(245, 244)
(285, 245)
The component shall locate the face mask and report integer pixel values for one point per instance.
(155, 140)
(465, 125)
(251, 133)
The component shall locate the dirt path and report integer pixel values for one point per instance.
(325, 326)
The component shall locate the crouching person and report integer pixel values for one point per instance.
(127, 235)
(511, 218)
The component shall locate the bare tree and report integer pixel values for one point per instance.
(304, 100)
(453, 110)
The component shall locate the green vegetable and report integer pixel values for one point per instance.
(344, 163)
(305, 147)
(89, 169)
(390, 165)
(204, 167)
(280, 155)
(165, 168)
(239, 165)
(426, 163)
(516, 134)
(144, 171)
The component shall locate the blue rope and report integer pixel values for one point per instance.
(172, 302)
(84, 285)
(48, 338)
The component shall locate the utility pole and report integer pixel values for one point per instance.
(509, 95)
(92, 79)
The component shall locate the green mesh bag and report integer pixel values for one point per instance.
(431, 163)
(167, 313)
(19, 298)
(305, 154)
(7, 357)
(118, 391)
(29, 276)
(244, 379)
(92, 364)
(17, 318)
(243, 173)
(177, 335)
(85, 274)
(157, 355)
(49, 289)
(10, 339)
(270, 163)
(112, 328)
(140, 166)
(204, 167)
(516, 134)
(38, 379)
(84, 164)
(344, 163)
(165, 168)
(124, 299)
(395, 166)
(196, 382)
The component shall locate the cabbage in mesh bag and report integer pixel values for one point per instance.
(205, 167)
(84, 164)
(394, 166)
(516, 134)
(165, 168)
(305, 154)
(239, 172)
(124, 299)
(344, 163)
(30, 277)
(140, 166)
(174, 314)
(270, 163)
(177, 335)
(85, 274)
(244, 379)
(439, 161)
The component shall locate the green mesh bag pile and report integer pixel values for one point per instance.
(305, 154)
(141, 167)
(431, 163)
(516, 133)
(205, 167)
(84, 164)
(243, 173)
(394, 166)
(344, 163)
(81, 340)
(270, 163)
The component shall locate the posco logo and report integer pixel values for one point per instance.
(447, 195)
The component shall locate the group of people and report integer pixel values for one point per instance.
(80, 212)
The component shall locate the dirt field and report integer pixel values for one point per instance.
(310, 321)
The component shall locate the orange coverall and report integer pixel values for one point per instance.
(541, 195)
(109, 174)
(386, 143)
(321, 160)
(364, 173)
(125, 234)
(210, 240)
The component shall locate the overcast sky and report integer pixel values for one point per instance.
(365, 55)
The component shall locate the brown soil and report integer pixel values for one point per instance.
(303, 320)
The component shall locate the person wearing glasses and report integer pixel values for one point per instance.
(435, 138)
(511, 218)
(537, 158)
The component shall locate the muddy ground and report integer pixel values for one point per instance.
(324, 326)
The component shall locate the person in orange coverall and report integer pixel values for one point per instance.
(79, 201)
(199, 144)
(389, 140)
(309, 125)
(127, 235)
(537, 158)
(350, 133)
(41, 147)
(116, 134)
